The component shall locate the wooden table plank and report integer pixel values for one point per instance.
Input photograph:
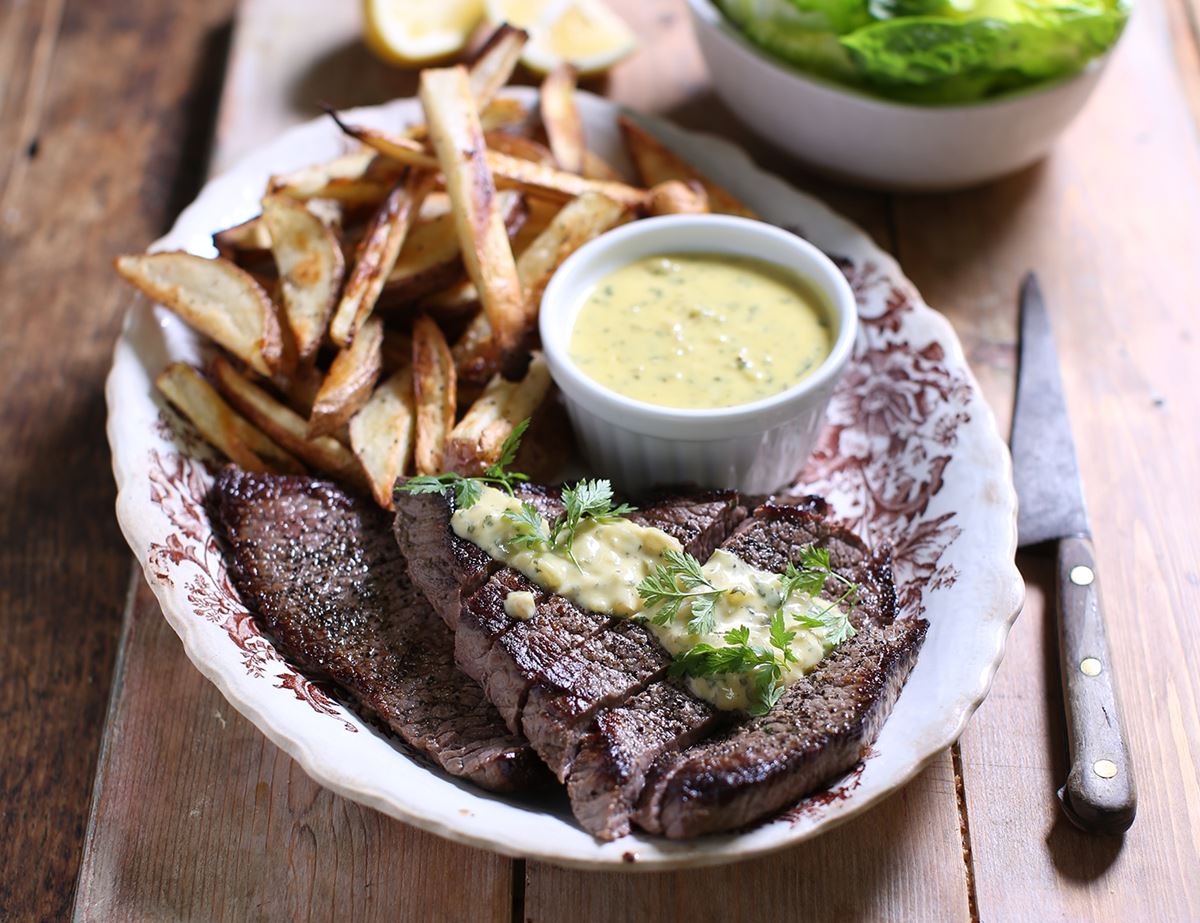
(92, 141)
(897, 862)
(199, 817)
(1110, 222)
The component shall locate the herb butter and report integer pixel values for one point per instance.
(606, 568)
(700, 330)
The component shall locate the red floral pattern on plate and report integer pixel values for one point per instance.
(179, 484)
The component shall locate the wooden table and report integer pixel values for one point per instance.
(171, 806)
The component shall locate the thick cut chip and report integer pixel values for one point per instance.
(382, 432)
(250, 238)
(476, 441)
(214, 297)
(431, 258)
(351, 377)
(574, 225)
(520, 147)
(358, 178)
(656, 163)
(377, 255)
(284, 425)
(435, 392)
(508, 172)
(310, 263)
(675, 197)
(495, 63)
(560, 118)
(220, 425)
(458, 140)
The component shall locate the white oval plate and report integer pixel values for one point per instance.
(911, 456)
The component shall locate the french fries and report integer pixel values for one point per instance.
(219, 424)
(578, 222)
(382, 433)
(332, 307)
(475, 442)
(508, 172)
(377, 255)
(495, 63)
(458, 140)
(656, 163)
(214, 297)
(248, 238)
(351, 377)
(520, 147)
(435, 394)
(310, 263)
(283, 424)
(675, 197)
(564, 128)
(359, 178)
(431, 258)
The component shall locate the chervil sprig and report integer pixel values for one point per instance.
(678, 580)
(737, 655)
(528, 526)
(468, 490)
(810, 577)
(586, 500)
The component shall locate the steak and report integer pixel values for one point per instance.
(823, 724)
(321, 570)
(564, 649)
(446, 568)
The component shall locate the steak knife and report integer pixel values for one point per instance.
(1099, 795)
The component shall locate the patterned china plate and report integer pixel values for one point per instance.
(910, 457)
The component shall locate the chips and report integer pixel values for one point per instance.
(215, 297)
(434, 393)
(332, 308)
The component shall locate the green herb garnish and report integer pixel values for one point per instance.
(810, 577)
(586, 500)
(738, 655)
(679, 580)
(528, 525)
(468, 490)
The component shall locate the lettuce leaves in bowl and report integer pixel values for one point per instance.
(933, 51)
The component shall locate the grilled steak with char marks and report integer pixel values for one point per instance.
(824, 722)
(321, 570)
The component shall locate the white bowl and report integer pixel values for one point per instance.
(756, 447)
(879, 142)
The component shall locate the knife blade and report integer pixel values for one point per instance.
(1099, 795)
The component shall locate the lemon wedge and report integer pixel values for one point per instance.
(411, 32)
(583, 33)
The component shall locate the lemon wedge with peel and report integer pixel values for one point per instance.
(411, 32)
(583, 33)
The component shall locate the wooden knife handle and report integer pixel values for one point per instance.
(1100, 794)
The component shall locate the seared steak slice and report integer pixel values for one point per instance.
(446, 568)
(609, 771)
(817, 732)
(507, 655)
(822, 725)
(321, 570)
(604, 670)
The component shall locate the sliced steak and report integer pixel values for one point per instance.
(817, 732)
(508, 655)
(604, 670)
(321, 570)
(609, 770)
(824, 722)
(446, 568)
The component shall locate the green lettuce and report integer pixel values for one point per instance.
(933, 51)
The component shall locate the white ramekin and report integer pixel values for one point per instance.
(757, 447)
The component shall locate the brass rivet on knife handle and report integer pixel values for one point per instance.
(1099, 795)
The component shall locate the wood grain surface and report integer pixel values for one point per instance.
(105, 113)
